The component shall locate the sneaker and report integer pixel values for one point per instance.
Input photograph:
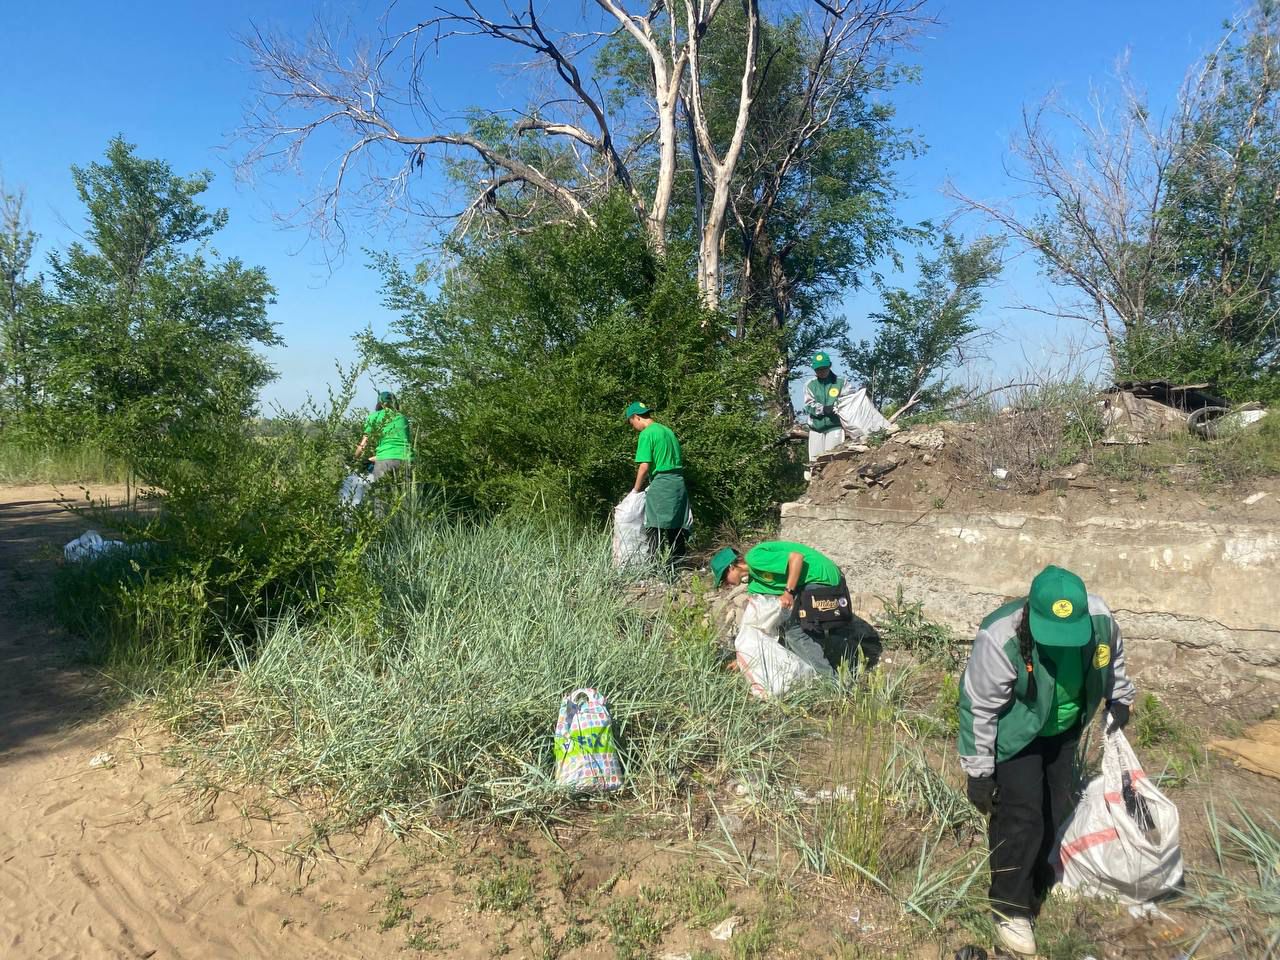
(1016, 936)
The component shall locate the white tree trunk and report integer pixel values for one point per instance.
(721, 168)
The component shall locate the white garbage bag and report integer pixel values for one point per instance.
(89, 546)
(1122, 840)
(769, 667)
(858, 415)
(354, 487)
(630, 545)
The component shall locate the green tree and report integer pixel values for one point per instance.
(517, 371)
(1166, 229)
(814, 190)
(1218, 305)
(922, 334)
(23, 315)
(150, 324)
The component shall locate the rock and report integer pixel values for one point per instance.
(726, 929)
(1073, 472)
(933, 439)
(872, 472)
(1254, 498)
(927, 459)
(848, 483)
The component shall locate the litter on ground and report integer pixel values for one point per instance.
(90, 546)
(1258, 750)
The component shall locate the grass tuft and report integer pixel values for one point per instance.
(903, 626)
(31, 463)
(447, 705)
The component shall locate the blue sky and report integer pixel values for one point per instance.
(170, 77)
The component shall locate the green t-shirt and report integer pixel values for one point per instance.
(767, 567)
(1066, 666)
(658, 447)
(389, 431)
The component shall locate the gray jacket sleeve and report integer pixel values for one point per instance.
(1122, 689)
(811, 404)
(985, 689)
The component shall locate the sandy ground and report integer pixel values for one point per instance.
(107, 851)
(110, 860)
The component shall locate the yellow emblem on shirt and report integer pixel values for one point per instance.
(1102, 656)
(833, 392)
(1062, 609)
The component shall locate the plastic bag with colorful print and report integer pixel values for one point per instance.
(585, 759)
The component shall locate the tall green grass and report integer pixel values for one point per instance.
(24, 462)
(447, 706)
(1240, 893)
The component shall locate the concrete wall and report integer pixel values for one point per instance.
(1182, 591)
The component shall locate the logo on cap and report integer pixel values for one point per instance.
(1062, 609)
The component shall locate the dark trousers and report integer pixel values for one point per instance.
(1034, 798)
(842, 643)
(670, 545)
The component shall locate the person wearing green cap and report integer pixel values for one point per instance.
(388, 430)
(809, 585)
(820, 395)
(660, 474)
(1039, 668)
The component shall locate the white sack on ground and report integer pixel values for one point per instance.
(859, 416)
(769, 667)
(1122, 841)
(89, 546)
(630, 545)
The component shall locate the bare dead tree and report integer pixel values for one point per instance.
(376, 98)
(566, 147)
(1096, 211)
(719, 168)
(853, 39)
(1102, 234)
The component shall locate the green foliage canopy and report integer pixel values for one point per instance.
(517, 370)
(921, 334)
(148, 324)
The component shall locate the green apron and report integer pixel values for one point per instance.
(666, 502)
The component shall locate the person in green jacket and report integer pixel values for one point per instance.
(388, 431)
(820, 395)
(809, 585)
(660, 474)
(1039, 668)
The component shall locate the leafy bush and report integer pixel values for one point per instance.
(903, 626)
(444, 701)
(237, 529)
(517, 373)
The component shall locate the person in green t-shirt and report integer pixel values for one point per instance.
(388, 431)
(660, 474)
(1039, 668)
(820, 396)
(798, 575)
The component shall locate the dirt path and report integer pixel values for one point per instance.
(107, 859)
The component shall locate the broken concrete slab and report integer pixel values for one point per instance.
(1195, 585)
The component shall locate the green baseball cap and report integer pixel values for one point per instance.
(721, 562)
(821, 360)
(636, 409)
(1060, 609)
(385, 396)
